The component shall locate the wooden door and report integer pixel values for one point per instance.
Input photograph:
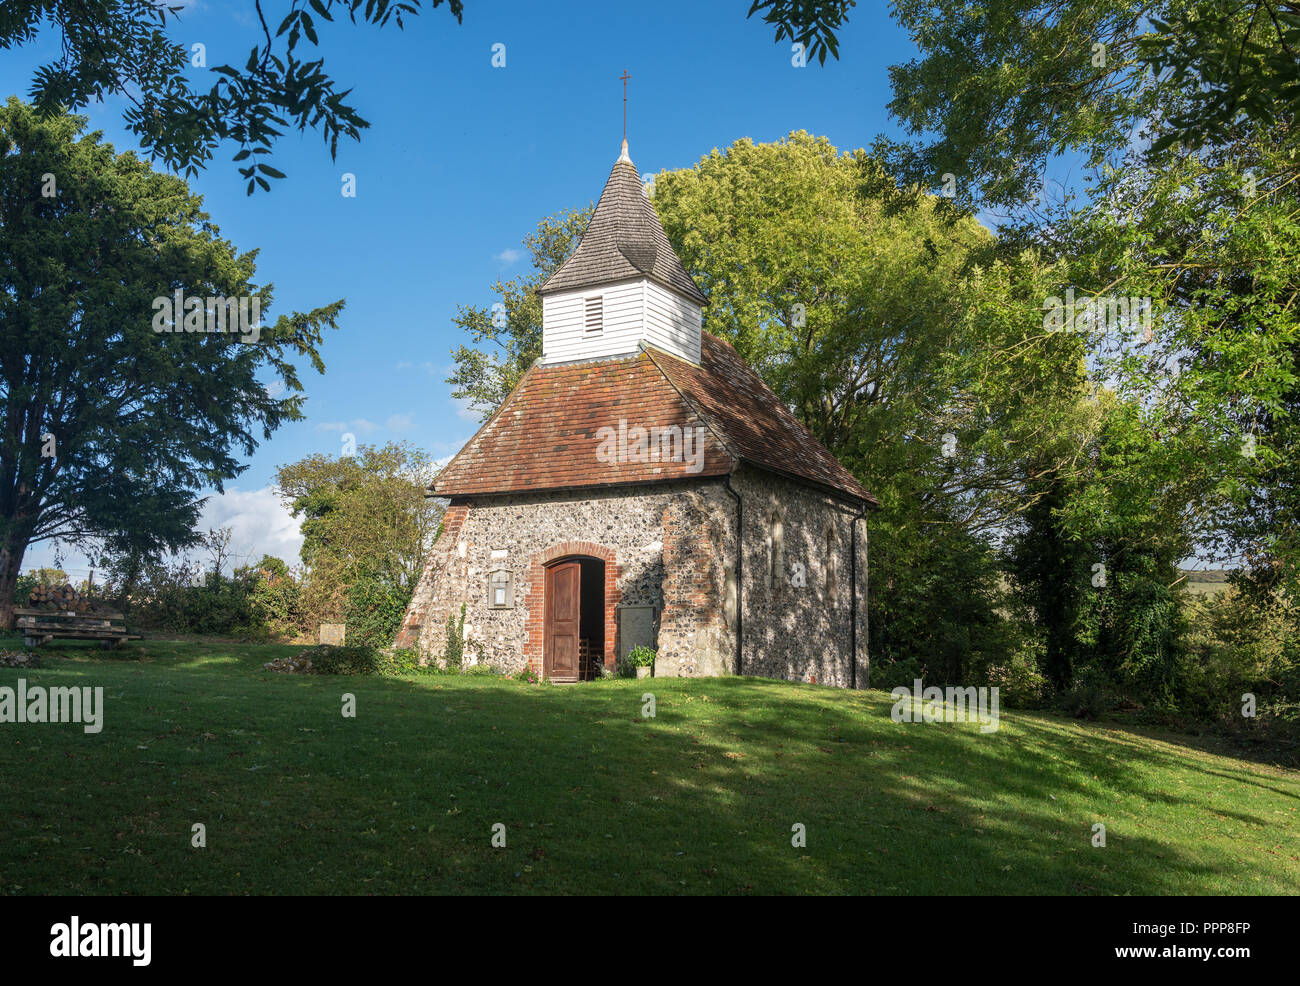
(563, 605)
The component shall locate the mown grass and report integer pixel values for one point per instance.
(297, 799)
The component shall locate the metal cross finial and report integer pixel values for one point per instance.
(625, 77)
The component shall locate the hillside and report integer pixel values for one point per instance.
(597, 799)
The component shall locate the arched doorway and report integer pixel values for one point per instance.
(573, 634)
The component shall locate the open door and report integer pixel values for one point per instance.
(563, 614)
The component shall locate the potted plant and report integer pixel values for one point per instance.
(642, 659)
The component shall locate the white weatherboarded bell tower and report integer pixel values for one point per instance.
(624, 287)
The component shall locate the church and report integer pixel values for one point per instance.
(642, 486)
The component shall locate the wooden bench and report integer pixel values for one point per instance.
(39, 626)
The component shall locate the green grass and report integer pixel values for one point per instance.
(1204, 583)
(597, 799)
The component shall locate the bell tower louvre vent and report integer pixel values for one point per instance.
(594, 319)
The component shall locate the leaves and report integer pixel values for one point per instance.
(144, 419)
(812, 23)
(485, 376)
(123, 47)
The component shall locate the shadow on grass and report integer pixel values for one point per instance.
(595, 798)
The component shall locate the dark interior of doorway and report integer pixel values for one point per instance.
(591, 620)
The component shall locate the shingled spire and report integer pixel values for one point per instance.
(624, 287)
(624, 240)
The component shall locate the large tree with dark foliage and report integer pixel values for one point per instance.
(108, 427)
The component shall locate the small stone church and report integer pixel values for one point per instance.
(641, 485)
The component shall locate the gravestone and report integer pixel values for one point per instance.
(332, 633)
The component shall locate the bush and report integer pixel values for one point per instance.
(360, 659)
(528, 675)
(374, 611)
(406, 661)
(349, 659)
(1089, 697)
(641, 656)
(891, 674)
(1019, 682)
(454, 653)
(257, 602)
(1241, 645)
(276, 597)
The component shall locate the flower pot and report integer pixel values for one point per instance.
(644, 671)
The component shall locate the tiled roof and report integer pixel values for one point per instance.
(624, 240)
(546, 434)
(752, 421)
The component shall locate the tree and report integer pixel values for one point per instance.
(811, 23)
(1005, 87)
(512, 325)
(905, 343)
(109, 427)
(1185, 112)
(124, 48)
(366, 518)
(217, 542)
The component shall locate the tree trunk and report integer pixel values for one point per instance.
(131, 568)
(11, 559)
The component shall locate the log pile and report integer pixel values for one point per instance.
(64, 599)
(54, 613)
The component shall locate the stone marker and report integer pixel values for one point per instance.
(332, 633)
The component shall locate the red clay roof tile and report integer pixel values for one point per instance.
(548, 433)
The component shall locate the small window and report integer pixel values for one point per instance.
(832, 567)
(730, 605)
(501, 594)
(594, 315)
(776, 552)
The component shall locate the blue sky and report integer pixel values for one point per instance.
(460, 162)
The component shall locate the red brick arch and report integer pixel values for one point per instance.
(537, 563)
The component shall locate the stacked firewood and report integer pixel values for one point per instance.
(62, 598)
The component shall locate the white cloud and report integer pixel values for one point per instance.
(399, 422)
(507, 257)
(463, 409)
(354, 426)
(430, 368)
(260, 524)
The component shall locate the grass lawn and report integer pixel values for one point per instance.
(596, 799)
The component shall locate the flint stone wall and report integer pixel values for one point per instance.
(669, 546)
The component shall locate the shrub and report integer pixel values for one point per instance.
(528, 675)
(1019, 682)
(454, 654)
(641, 656)
(891, 674)
(374, 611)
(406, 661)
(349, 659)
(1089, 697)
